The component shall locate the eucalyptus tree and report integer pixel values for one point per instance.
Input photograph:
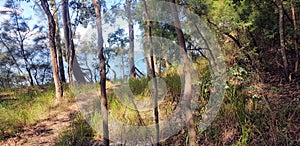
(187, 75)
(25, 46)
(16, 32)
(294, 18)
(117, 42)
(102, 69)
(282, 38)
(73, 65)
(58, 41)
(52, 45)
(151, 55)
(131, 39)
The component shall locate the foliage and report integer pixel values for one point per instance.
(138, 86)
(259, 107)
(22, 47)
(173, 81)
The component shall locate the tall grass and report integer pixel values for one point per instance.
(80, 133)
(23, 107)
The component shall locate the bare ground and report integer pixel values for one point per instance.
(44, 132)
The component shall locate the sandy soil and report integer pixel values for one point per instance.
(44, 132)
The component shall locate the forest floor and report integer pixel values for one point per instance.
(46, 131)
(285, 99)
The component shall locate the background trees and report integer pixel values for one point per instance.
(22, 46)
(260, 40)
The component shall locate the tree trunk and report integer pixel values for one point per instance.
(131, 40)
(281, 35)
(102, 70)
(295, 37)
(187, 76)
(21, 43)
(28, 65)
(148, 65)
(69, 44)
(65, 11)
(58, 42)
(51, 25)
(152, 63)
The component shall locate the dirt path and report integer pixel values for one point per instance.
(44, 132)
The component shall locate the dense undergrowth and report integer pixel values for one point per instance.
(252, 113)
(247, 116)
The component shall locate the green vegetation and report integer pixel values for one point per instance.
(80, 133)
(258, 40)
(22, 107)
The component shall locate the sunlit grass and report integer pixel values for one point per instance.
(24, 107)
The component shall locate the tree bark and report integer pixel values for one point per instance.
(152, 63)
(148, 65)
(65, 11)
(51, 25)
(102, 70)
(187, 76)
(295, 37)
(281, 35)
(131, 40)
(58, 42)
(69, 44)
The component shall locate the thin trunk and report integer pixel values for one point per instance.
(131, 40)
(147, 58)
(51, 23)
(155, 64)
(65, 11)
(187, 76)
(21, 43)
(156, 114)
(148, 65)
(102, 70)
(281, 35)
(295, 37)
(73, 65)
(28, 65)
(123, 66)
(58, 42)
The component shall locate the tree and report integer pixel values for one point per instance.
(24, 44)
(187, 76)
(117, 43)
(149, 35)
(58, 42)
(73, 65)
(51, 34)
(282, 42)
(131, 40)
(102, 70)
(20, 30)
(295, 36)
